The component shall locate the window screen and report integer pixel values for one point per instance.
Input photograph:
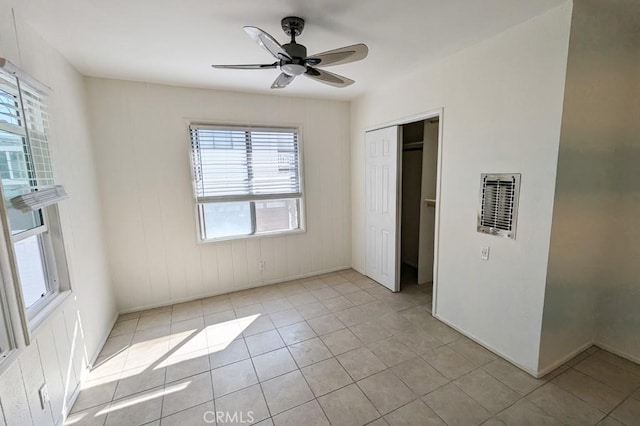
(498, 209)
(246, 180)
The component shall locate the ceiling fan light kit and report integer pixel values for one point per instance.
(292, 59)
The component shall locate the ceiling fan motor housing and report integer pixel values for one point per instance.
(295, 50)
(296, 66)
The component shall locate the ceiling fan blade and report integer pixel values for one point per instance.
(329, 78)
(343, 55)
(269, 43)
(282, 81)
(247, 67)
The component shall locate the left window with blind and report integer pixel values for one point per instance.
(247, 181)
(29, 198)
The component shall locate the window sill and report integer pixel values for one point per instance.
(47, 311)
(249, 237)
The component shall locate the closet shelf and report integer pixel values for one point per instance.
(412, 146)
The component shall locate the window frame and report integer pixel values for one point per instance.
(7, 332)
(45, 244)
(200, 226)
(17, 321)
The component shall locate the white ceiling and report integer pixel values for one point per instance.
(175, 41)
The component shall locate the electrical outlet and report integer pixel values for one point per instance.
(263, 265)
(484, 253)
(44, 396)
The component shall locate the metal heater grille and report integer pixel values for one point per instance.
(498, 211)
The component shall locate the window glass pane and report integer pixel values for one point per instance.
(13, 159)
(226, 219)
(277, 215)
(31, 269)
(13, 166)
(21, 222)
(15, 172)
(8, 104)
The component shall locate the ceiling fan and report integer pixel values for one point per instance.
(292, 59)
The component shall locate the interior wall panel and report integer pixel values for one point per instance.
(142, 142)
(502, 110)
(66, 342)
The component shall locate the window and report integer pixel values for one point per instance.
(26, 174)
(247, 181)
(498, 211)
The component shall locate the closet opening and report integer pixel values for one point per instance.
(418, 172)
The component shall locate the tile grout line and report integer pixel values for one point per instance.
(535, 389)
(420, 399)
(264, 398)
(378, 298)
(607, 414)
(333, 357)
(315, 398)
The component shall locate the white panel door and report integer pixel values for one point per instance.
(382, 250)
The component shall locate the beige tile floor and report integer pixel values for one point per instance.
(334, 349)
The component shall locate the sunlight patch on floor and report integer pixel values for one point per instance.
(137, 399)
(165, 351)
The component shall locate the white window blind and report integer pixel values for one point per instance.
(25, 163)
(247, 180)
(245, 164)
(498, 209)
(37, 118)
(24, 150)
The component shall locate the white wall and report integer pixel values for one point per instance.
(502, 102)
(67, 341)
(618, 57)
(140, 133)
(593, 288)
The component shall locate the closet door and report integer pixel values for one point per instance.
(382, 222)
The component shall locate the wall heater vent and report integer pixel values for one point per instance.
(498, 210)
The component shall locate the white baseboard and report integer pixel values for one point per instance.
(564, 359)
(558, 363)
(583, 348)
(620, 353)
(69, 406)
(76, 391)
(489, 348)
(232, 290)
(104, 340)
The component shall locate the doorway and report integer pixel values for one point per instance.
(419, 162)
(402, 184)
